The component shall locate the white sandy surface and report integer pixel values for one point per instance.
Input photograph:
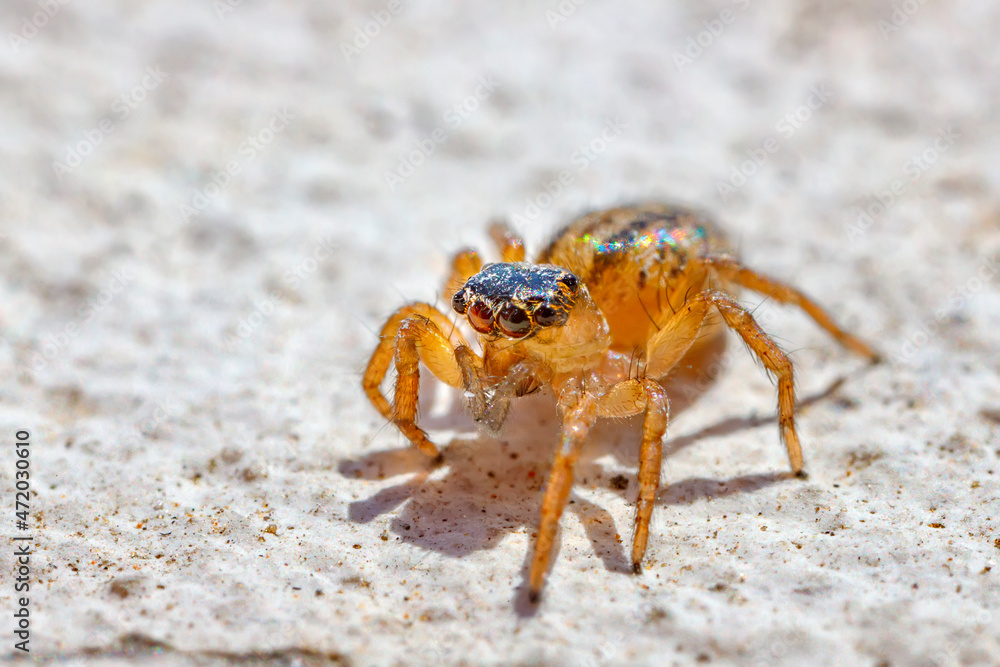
(211, 486)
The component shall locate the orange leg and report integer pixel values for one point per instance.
(730, 269)
(631, 397)
(654, 426)
(681, 329)
(509, 244)
(465, 264)
(414, 333)
(577, 421)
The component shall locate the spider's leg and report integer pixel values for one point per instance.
(414, 333)
(654, 426)
(730, 269)
(510, 245)
(630, 397)
(681, 329)
(465, 264)
(578, 417)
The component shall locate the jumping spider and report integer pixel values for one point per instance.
(617, 299)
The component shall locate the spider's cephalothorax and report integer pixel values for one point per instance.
(616, 301)
(516, 299)
(536, 318)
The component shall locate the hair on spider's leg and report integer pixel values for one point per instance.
(365, 324)
(692, 288)
(377, 432)
(666, 293)
(454, 325)
(400, 293)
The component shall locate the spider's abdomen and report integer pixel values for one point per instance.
(636, 261)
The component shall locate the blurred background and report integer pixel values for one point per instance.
(208, 208)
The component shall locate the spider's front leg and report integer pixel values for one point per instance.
(510, 245)
(579, 411)
(631, 397)
(467, 263)
(415, 333)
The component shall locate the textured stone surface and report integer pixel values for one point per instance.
(212, 484)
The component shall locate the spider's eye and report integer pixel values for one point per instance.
(459, 303)
(514, 322)
(480, 317)
(571, 282)
(546, 315)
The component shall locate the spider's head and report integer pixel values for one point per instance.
(516, 299)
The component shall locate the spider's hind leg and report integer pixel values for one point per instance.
(730, 269)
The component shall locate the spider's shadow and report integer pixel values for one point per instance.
(488, 488)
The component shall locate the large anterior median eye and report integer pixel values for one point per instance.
(513, 321)
(480, 317)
